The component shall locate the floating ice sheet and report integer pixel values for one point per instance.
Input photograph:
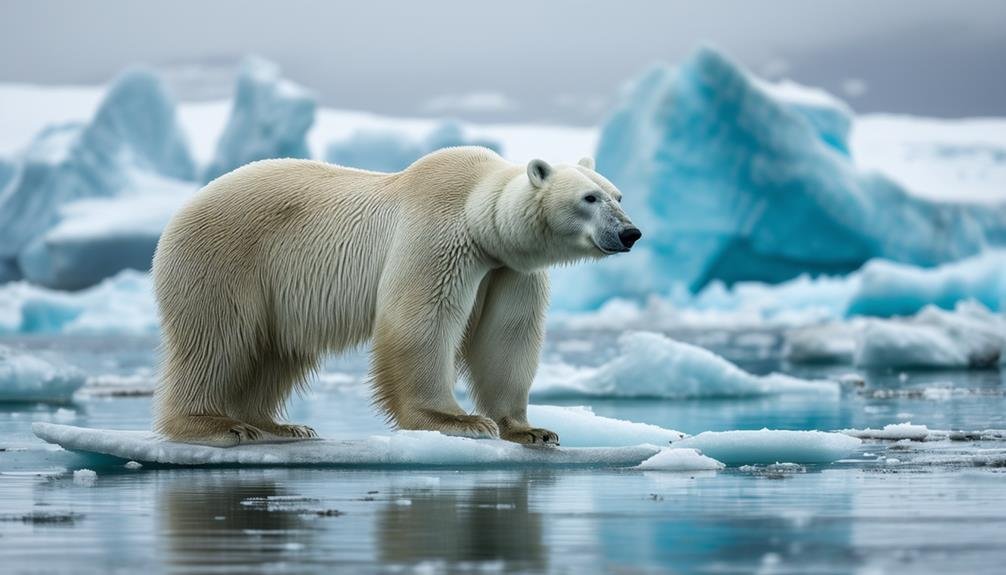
(768, 446)
(680, 459)
(404, 448)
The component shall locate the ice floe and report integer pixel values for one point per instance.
(404, 448)
(25, 378)
(968, 336)
(892, 432)
(579, 427)
(768, 446)
(680, 459)
(653, 365)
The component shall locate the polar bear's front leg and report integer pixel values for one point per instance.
(416, 335)
(502, 350)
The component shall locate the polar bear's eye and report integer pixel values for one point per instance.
(590, 198)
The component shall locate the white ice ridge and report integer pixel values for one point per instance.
(403, 448)
(768, 446)
(652, 365)
(674, 459)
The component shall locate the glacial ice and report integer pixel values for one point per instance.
(270, 117)
(132, 147)
(768, 446)
(391, 151)
(968, 336)
(680, 459)
(652, 365)
(730, 181)
(28, 378)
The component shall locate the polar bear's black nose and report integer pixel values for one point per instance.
(628, 236)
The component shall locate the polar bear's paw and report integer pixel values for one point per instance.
(530, 435)
(463, 425)
(290, 430)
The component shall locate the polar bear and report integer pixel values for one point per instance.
(442, 266)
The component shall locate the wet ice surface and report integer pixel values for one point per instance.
(895, 505)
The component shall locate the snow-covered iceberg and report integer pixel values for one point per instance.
(968, 336)
(768, 446)
(270, 118)
(391, 151)
(25, 377)
(652, 365)
(121, 304)
(729, 180)
(132, 147)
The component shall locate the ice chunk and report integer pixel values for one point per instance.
(25, 377)
(970, 336)
(270, 118)
(893, 432)
(653, 365)
(729, 181)
(674, 459)
(121, 304)
(771, 446)
(98, 237)
(579, 427)
(404, 448)
(391, 151)
(133, 146)
(85, 477)
(887, 288)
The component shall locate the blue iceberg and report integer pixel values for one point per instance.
(734, 180)
(391, 151)
(132, 147)
(270, 118)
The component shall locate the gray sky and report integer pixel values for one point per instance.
(521, 60)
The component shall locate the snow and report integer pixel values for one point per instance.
(393, 151)
(121, 304)
(404, 448)
(270, 118)
(887, 288)
(770, 446)
(893, 432)
(765, 196)
(578, 427)
(652, 365)
(674, 459)
(131, 146)
(28, 378)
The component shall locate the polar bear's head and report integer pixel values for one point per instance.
(567, 213)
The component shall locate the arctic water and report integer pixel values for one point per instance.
(920, 507)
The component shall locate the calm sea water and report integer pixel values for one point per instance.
(916, 508)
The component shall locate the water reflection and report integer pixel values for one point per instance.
(485, 522)
(221, 520)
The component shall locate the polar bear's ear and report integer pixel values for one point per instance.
(538, 171)
(587, 162)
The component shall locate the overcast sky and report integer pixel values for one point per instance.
(558, 60)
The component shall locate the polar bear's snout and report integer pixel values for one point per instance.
(629, 236)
